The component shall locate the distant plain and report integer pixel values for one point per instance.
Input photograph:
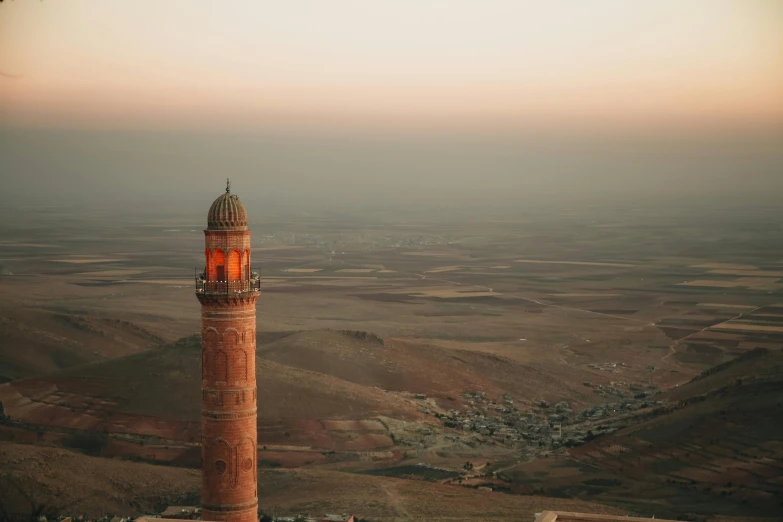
(527, 303)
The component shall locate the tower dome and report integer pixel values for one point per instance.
(227, 212)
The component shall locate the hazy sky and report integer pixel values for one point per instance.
(482, 102)
(432, 63)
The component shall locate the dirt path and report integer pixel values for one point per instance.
(675, 344)
(394, 499)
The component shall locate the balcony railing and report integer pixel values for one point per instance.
(227, 287)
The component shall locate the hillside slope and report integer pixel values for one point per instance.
(158, 393)
(302, 377)
(756, 365)
(417, 367)
(39, 341)
(718, 448)
(65, 482)
(76, 484)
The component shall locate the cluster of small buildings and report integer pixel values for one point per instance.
(546, 425)
(501, 422)
(607, 366)
(622, 389)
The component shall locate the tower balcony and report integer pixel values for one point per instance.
(228, 287)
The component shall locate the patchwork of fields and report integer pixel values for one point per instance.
(358, 318)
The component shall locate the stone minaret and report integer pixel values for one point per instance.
(228, 291)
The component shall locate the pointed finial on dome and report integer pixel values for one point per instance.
(228, 186)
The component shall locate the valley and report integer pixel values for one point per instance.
(491, 366)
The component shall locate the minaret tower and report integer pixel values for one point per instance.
(228, 291)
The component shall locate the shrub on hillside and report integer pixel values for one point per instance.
(88, 443)
(364, 336)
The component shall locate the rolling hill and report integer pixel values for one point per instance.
(157, 393)
(38, 341)
(303, 377)
(402, 365)
(716, 448)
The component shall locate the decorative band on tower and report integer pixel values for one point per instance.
(228, 290)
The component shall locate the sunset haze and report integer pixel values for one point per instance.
(432, 64)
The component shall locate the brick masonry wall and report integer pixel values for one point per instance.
(229, 393)
(233, 250)
(227, 240)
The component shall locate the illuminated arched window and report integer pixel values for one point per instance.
(247, 264)
(217, 270)
(234, 265)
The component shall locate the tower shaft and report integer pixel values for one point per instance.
(228, 293)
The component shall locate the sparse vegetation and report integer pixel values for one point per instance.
(364, 336)
(89, 443)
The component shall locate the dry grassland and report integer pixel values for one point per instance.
(180, 282)
(728, 266)
(113, 273)
(748, 327)
(88, 260)
(273, 248)
(720, 305)
(756, 283)
(393, 499)
(25, 245)
(361, 282)
(428, 253)
(585, 295)
(580, 263)
(335, 278)
(354, 425)
(711, 334)
(452, 294)
(705, 282)
(749, 273)
(93, 486)
(444, 269)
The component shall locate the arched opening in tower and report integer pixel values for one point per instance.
(247, 264)
(234, 265)
(218, 268)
